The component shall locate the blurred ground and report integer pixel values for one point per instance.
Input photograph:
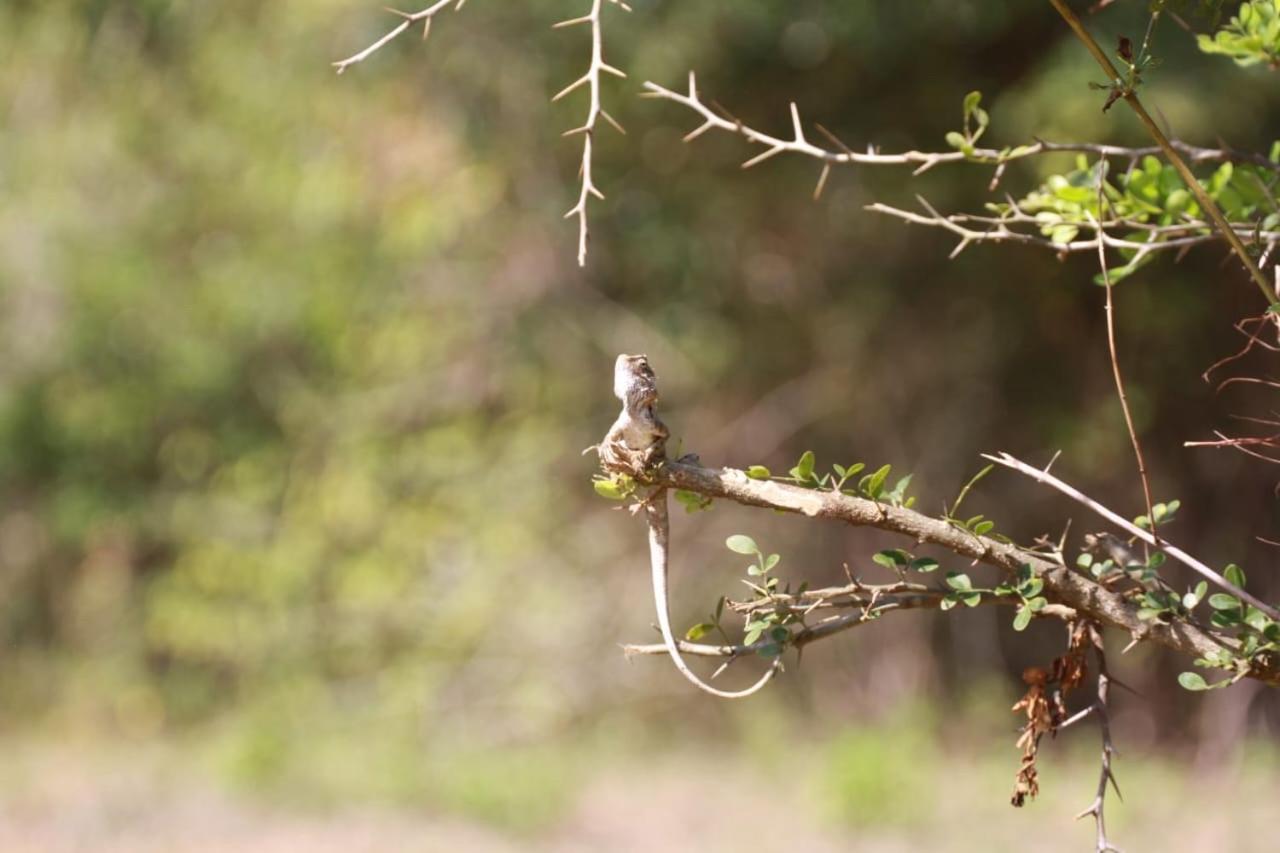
(64, 797)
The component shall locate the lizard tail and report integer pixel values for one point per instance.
(659, 549)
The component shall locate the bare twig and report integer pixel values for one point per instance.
(1178, 554)
(591, 79)
(871, 602)
(408, 20)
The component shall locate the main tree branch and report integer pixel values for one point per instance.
(1061, 585)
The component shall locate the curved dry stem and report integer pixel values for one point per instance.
(1115, 364)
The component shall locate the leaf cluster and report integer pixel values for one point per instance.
(1251, 37)
(772, 623)
(1151, 193)
(840, 479)
(1258, 634)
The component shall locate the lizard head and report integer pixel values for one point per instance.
(630, 371)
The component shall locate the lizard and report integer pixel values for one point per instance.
(636, 444)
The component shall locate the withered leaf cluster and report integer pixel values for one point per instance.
(1045, 706)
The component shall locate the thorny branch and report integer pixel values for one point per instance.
(409, 19)
(719, 119)
(591, 79)
(1101, 709)
(976, 228)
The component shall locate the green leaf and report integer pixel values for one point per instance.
(692, 501)
(948, 601)
(972, 599)
(1063, 234)
(754, 630)
(1085, 560)
(772, 561)
(758, 472)
(1234, 575)
(1225, 618)
(876, 483)
(956, 140)
(1192, 681)
(740, 544)
(959, 581)
(1256, 619)
(1222, 601)
(697, 632)
(1037, 604)
(923, 564)
(891, 558)
(899, 490)
(982, 528)
(971, 102)
(804, 468)
(609, 489)
(1022, 619)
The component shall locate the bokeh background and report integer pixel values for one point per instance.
(297, 549)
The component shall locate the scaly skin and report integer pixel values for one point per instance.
(635, 444)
